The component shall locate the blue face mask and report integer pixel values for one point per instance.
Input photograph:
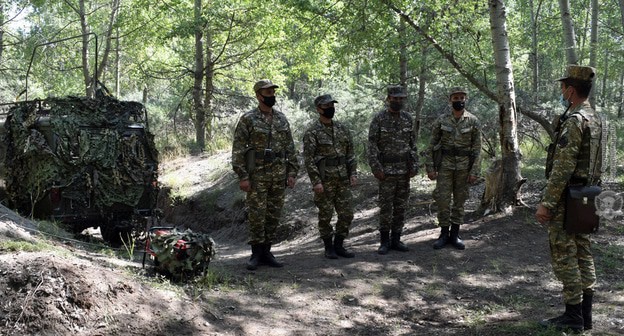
(564, 102)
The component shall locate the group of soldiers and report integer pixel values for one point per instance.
(264, 158)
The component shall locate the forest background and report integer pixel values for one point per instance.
(193, 63)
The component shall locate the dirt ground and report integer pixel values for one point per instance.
(502, 284)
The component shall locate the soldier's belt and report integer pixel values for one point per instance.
(456, 152)
(269, 155)
(334, 162)
(394, 159)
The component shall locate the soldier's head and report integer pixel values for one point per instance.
(577, 81)
(325, 105)
(265, 92)
(396, 97)
(457, 98)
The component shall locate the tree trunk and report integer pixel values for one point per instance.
(84, 28)
(402, 54)
(198, 72)
(569, 38)
(622, 12)
(117, 63)
(1, 29)
(108, 38)
(593, 46)
(422, 81)
(510, 179)
(209, 76)
(534, 50)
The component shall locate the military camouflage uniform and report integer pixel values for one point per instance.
(330, 148)
(392, 150)
(460, 143)
(266, 199)
(572, 260)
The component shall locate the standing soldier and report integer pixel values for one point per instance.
(330, 161)
(576, 160)
(263, 157)
(453, 161)
(393, 161)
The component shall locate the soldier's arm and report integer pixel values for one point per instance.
(564, 162)
(351, 161)
(413, 149)
(309, 154)
(293, 163)
(373, 149)
(239, 148)
(436, 136)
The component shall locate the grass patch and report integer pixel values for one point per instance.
(24, 246)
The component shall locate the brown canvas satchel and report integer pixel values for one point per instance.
(580, 214)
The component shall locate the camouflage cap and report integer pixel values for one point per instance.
(264, 84)
(324, 99)
(457, 89)
(578, 72)
(396, 91)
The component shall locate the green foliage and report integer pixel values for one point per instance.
(23, 246)
(181, 253)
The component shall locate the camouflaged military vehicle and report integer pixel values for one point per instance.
(86, 162)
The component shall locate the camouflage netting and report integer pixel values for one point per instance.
(181, 253)
(81, 145)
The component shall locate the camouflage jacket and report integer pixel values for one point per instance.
(459, 140)
(254, 133)
(329, 147)
(392, 143)
(577, 152)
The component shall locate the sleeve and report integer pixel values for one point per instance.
(413, 148)
(309, 151)
(436, 136)
(239, 148)
(475, 170)
(373, 145)
(351, 160)
(564, 162)
(293, 163)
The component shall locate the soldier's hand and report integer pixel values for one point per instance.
(318, 188)
(291, 182)
(542, 214)
(432, 175)
(472, 179)
(353, 181)
(379, 175)
(245, 185)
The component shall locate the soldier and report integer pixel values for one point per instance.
(330, 161)
(576, 160)
(456, 145)
(263, 157)
(393, 161)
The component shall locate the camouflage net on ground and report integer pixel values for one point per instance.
(78, 144)
(181, 253)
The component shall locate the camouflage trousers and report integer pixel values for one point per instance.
(393, 195)
(336, 195)
(572, 260)
(450, 194)
(264, 203)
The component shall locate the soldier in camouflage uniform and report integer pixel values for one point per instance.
(264, 158)
(576, 160)
(331, 165)
(393, 161)
(456, 145)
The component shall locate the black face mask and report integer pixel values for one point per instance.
(396, 105)
(268, 101)
(328, 112)
(459, 105)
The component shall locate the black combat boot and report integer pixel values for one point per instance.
(268, 258)
(340, 250)
(443, 239)
(396, 244)
(572, 319)
(330, 253)
(454, 238)
(586, 306)
(256, 251)
(385, 242)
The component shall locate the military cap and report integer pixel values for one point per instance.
(324, 99)
(264, 84)
(396, 91)
(579, 72)
(457, 89)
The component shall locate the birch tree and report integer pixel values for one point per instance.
(569, 38)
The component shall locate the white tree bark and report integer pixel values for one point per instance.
(510, 178)
(569, 38)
